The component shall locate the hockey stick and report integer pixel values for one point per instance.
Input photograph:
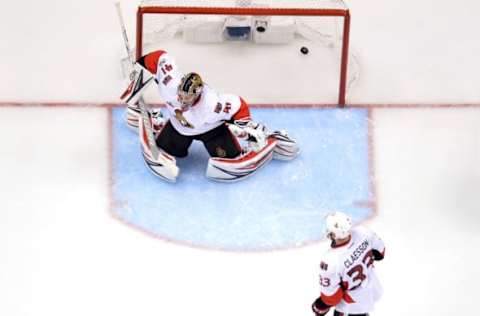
(141, 103)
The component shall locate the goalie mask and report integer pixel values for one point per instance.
(338, 225)
(190, 89)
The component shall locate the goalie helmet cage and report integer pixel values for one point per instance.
(294, 8)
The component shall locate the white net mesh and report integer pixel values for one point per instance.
(279, 4)
(159, 29)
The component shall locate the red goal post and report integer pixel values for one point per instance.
(300, 8)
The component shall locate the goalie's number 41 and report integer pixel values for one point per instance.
(226, 108)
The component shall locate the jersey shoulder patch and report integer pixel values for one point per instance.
(323, 266)
(329, 262)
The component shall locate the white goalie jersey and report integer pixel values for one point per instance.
(211, 109)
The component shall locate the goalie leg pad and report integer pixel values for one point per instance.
(165, 165)
(287, 148)
(229, 170)
(132, 116)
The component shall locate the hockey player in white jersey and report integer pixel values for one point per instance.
(348, 282)
(197, 112)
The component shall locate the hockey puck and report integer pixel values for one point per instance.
(261, 29)
(304, 50)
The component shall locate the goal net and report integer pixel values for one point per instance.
(263, 35)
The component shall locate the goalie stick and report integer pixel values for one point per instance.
(141, 103)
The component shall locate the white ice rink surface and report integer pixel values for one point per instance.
(62, 253)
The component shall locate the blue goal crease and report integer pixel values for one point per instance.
(281, 206)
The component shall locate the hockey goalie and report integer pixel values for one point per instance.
(237, 145)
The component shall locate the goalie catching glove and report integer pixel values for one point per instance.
(254, 133)
(257, 134)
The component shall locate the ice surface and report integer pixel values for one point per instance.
(61, 251)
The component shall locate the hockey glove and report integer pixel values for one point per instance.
(319, 308)
(255, 133)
